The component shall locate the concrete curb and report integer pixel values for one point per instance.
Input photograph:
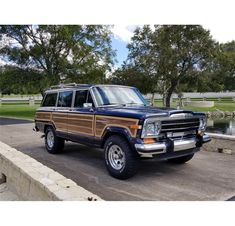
(31, 180)
(220, 143)
(221, 136)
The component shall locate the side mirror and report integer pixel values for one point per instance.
(87, 105)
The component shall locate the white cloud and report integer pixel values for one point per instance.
(123, 32)
(220, 32)
(2, 62)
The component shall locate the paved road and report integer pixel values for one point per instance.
(208, 176)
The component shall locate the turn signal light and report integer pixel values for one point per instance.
(201, 133)
(149, 140)
(135, 126)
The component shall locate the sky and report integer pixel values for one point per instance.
(123, 34)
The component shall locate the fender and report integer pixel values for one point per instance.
(41, 125)
(110, 130)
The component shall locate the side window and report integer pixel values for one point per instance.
(89, 99)
(65, 99)
(80, 98)
(50, 100)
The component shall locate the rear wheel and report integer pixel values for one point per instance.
(53, 143)
(182, 159)
(120, 160)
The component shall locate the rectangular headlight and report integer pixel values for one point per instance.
(151, 128)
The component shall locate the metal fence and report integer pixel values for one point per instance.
(21, 100)
(196, 95)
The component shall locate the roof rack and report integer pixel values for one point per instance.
(68, 85)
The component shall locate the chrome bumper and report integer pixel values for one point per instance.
(147, 150)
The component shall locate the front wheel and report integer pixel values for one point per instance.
(53, 143)
(182, 159)
(120, 160)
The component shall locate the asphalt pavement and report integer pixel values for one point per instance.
(208, 176)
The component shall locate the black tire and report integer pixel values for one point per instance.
(126, 155)
(58, 143)
(182, 159)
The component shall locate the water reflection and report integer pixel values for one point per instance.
(222, 126)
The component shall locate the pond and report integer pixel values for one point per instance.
(221, 125)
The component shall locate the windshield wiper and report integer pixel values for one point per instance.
(120, 104)
(132, 103)
(110, 104)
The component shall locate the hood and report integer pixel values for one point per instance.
(140, 112)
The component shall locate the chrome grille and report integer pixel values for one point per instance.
(180, 125)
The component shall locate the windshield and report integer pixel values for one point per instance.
(118, 95)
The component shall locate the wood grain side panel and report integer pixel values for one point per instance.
(60, 121)
(102, 122)
(85, 123)
(43, 116)
(81, 124)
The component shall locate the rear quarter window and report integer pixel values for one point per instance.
(50, 100)
(65, 99)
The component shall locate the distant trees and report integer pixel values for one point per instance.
(163, 59)
(220, 74)
(226, 66)
(20, 81)
(56, 53)
(169, 56)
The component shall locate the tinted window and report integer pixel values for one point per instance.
(89, 99)
(65, 99)
(80, 98)
(50, 100)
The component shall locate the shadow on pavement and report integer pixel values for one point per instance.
(11, 121)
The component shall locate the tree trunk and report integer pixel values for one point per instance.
(152, 99)
(168, 96)
(42, 93)
(168, 99)
(170, 91)
(163, 99)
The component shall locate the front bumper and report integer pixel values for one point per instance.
(171, 146)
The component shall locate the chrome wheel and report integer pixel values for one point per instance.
(50, 139)
(116, 157)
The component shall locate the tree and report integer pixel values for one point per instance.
(131, 76)
(59, 53)
(19, 81)
(171, 54)
(226, 65)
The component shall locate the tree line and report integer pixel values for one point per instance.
(165, 59)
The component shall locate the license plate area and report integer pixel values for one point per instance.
(179, 134)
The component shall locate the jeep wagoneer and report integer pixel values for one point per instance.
(119, 120)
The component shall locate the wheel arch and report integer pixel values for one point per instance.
(122, 132)
(46, 125)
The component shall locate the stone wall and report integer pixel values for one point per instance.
(220, 143)
(31, 180)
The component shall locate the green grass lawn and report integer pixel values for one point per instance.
(219, 105)
(18, 111)
(27, 112)
(19, 95)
